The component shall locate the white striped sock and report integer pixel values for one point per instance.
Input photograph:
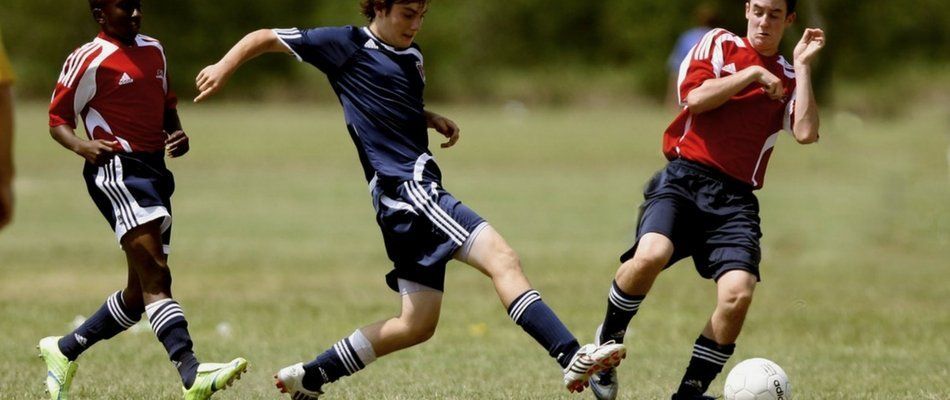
(710, 355)
(362, 346)
(521, 304)
(163, 313)
(116, 309)
(622, 301)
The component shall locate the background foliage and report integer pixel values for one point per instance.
(528, 50)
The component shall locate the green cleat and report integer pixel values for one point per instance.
(59, 370)
(214, 377)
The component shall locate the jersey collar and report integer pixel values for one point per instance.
(102, 35)
(409, 50)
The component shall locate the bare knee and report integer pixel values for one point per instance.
(649, 261)
(653, 253)
(504, 262)
(736, 299)
(416, 331)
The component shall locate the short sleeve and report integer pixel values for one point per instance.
(703, 62)
(328, 49)
(72, 91)
(6, 71)
(61, 110)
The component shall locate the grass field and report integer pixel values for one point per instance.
(275, 239)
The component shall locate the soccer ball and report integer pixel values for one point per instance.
(757, 379)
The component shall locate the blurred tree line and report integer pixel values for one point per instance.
(487, 50)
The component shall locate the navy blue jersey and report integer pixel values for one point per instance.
(380, 88)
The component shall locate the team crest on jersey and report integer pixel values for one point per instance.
(422, 70)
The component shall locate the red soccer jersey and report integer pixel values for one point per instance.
(121, 92)
(737, 137)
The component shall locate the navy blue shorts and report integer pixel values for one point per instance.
(423, 227)
(132, 189)
(706, 214)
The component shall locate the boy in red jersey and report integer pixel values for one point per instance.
(738, 93)
(118, 84)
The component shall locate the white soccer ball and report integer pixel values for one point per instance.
(757, 379)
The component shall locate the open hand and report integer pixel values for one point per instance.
(813, 40)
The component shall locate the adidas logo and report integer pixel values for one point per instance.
(731, 68)
(370, 44)
(80, 339)
(126, 79)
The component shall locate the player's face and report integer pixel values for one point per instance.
(398, 27)
(767, 22)
(120, 19)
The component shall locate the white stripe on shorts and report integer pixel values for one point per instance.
(438, 209)
(436, 215)
(126, 210)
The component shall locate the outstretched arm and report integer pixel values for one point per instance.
(716, 92)
(444, 126)
(805, 125)
(213, 77)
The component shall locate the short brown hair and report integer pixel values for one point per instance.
(368, 7)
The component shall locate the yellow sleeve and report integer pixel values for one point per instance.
(6, 71)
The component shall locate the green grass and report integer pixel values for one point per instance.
(274, 235)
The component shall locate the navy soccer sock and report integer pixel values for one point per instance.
(171, 328)
(621, 308)
(345, 358)
(110, 320)
(536, 318)
(707, 361)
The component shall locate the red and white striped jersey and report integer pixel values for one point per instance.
(737, 137)
(121, 92)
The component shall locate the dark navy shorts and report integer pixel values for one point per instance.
(131, 190)
(423, 227)
(706, 214)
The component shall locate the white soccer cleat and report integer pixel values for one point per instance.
(589, 360)
(290, 380)
(604, 383)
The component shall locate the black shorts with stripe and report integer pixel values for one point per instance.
(706, 214)
(131, 190)
(423, 227)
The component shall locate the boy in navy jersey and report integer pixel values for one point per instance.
(738, 94)
(378, 74)
(118, 84)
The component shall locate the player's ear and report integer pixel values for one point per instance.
(381, 10)
(790, 18)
